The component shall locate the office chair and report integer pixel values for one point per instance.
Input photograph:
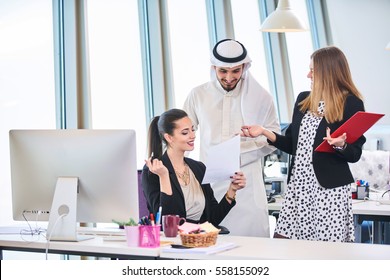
(142, 204)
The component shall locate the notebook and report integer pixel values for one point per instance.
(355, 126)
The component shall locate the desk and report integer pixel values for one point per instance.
(363, 210)
(96, 247)
(247, 248)
(287, 249)
(275, 206)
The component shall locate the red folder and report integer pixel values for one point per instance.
(355, 126)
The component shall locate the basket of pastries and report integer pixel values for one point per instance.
(198, 235)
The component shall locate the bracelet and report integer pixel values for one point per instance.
(231, 199)
(341, 148)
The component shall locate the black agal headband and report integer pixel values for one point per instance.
(229, 59)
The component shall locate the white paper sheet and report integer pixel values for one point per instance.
(219, 247)
(222, 161)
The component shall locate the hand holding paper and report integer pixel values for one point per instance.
(222, 161)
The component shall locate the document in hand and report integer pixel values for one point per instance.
(222, 161)
(355, 126)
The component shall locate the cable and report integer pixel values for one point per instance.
(378, 201)
(36, 231)
(385, 193)
(52, 230)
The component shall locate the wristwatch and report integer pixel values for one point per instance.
(340, 148)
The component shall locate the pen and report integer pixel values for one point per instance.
(158, 216)
(145, 221)
(152, 219)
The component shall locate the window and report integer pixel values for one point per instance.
(190, 49)
(300, 47)
(246, 20)
(27, 98)
(117, 93)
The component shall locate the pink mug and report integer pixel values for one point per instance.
(171, 224)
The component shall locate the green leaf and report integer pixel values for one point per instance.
(130, 222)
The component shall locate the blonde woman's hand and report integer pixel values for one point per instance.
(252, 130)
(338, 141)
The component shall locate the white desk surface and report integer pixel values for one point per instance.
(368, 207)
(95, 246)
(247, 248)
(277, 205)
(285, 249)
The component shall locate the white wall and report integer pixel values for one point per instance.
(361, 28)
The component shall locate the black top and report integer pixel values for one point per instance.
(331, 169)
(214, 212)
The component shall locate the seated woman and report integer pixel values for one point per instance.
(172, 181)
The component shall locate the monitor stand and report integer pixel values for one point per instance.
(63, 214)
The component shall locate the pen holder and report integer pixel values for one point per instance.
(363, 192)
(149, 236)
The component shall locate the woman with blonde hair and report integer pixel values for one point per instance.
(318, 200)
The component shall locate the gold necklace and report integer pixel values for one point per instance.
(184, 176)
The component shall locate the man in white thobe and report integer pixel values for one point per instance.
(220, 107)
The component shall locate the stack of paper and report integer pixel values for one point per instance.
(219, 247)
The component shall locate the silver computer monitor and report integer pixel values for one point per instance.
(102, 164)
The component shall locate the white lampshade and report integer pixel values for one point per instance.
(388, 46)
(283, 19)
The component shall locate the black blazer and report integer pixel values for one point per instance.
(331, 169)
(214, 212)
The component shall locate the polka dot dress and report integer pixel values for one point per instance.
(310, 211)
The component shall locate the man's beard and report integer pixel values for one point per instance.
(230, 88)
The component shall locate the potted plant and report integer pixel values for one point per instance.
(122, 225)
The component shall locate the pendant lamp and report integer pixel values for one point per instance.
(283, 19)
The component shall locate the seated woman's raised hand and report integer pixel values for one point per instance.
(156, 166)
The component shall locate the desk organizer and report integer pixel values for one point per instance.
(149, 236)
(362, 192)
(132, 235)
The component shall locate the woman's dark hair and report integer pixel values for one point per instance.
(160, 125)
